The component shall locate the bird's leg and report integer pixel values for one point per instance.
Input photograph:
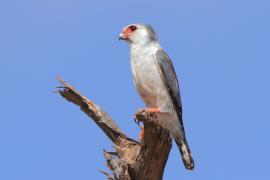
(153, 110)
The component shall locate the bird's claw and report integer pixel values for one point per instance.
(137, 122)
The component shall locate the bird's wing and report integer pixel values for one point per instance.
(168, 75)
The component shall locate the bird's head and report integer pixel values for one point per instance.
(138, 34)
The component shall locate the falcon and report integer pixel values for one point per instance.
(156, 82)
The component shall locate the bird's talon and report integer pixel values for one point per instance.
(138, 123)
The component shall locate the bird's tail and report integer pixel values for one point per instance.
(186, 154)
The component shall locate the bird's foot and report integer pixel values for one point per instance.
(153, 112)
(137, 121)
(150, 111)
(145, 111)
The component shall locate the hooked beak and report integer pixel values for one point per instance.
(122, 36)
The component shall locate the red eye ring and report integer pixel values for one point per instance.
(132, 28)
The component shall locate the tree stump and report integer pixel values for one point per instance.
(131, 160)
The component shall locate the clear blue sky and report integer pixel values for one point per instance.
(221, 52)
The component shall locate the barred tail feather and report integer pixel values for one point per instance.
(186, 154)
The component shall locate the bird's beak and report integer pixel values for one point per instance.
(122, 36)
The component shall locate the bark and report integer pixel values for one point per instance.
(131, 160)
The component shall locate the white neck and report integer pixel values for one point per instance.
(142, 46)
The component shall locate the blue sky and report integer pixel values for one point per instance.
(220, 50)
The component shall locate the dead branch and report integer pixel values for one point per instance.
(132, 160)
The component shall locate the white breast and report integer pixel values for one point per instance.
(147, 78)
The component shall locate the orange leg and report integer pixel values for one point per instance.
(153, 110)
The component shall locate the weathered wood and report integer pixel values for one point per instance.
(132, 160)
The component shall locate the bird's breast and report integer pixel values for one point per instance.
(147, 79)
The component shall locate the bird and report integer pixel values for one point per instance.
(156, 83)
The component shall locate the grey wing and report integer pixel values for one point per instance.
(167, 72)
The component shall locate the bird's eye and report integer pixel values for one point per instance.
(132, 28)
